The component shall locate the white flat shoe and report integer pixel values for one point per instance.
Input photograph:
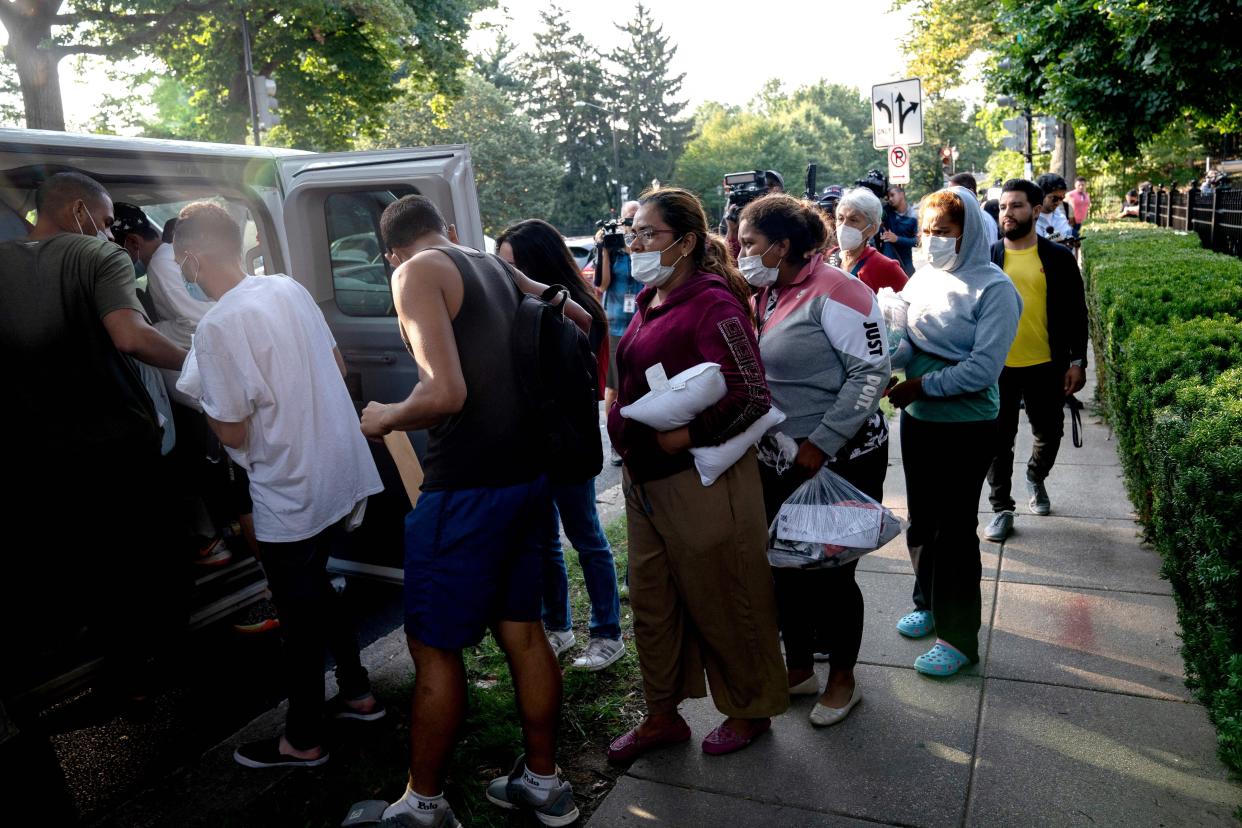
(823, 716)
(808, 687)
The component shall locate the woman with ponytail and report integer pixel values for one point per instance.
(825, 352)
(700, 586)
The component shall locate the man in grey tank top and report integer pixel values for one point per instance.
(474, 559)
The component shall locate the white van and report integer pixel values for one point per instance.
(314, 216)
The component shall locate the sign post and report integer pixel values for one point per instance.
(897, 113)
(899, 165)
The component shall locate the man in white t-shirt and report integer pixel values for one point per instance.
(268, 374)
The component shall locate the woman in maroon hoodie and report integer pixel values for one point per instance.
(700, 586)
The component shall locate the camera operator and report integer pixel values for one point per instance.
(620, 293)
(775, 184)
(899, 229)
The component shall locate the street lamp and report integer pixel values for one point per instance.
(616, 156)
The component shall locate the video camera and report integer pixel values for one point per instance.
(614, 232)
(742, 188)
(876, 182)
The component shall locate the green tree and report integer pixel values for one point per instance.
(334, 64)
(944, 34)
(1125, 69)
(498, 65)
(729, 139)
(560, 77)
(947, 123)
(516, 180)
(654, 133)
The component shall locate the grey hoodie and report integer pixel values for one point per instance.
(966, 314)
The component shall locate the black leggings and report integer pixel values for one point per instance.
(821, 610)
(945, 465)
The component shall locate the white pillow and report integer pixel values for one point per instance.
(713, 461)
(672, 403)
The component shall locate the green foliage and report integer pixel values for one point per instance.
(1123, 70)
(561, 75)
(333, 65)
(822, 122)
(515, 179)
(944, 34)
(947, 123)
(644, 93)
(1169, 346)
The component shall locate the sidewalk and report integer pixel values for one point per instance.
(1076, 714)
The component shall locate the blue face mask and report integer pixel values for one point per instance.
(195, 292)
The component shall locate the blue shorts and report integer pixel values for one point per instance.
(474, 557)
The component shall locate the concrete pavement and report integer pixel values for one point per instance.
(1076, 715)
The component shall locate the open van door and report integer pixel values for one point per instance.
(332, 204)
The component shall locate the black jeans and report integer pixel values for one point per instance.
(312, 615)
(821, 610)
(945, 466)
(1042, 389)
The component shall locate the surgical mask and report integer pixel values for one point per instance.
(850, 238)
(646, 267)
(99, 234)
(756, 273)
(942, 251)
(140, 269)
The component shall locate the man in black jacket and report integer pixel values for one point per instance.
(1048, 359)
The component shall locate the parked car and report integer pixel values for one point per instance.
(314, 216)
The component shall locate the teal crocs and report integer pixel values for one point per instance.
(917, 624)
(941, 660)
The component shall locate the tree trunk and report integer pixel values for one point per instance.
(37, 67)
(1065, 152)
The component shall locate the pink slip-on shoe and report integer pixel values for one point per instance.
(725, 739)
(629, 747)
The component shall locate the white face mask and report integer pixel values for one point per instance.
(646, 267)
(942, 251)
(756, 273)
(99, 234)
(850, 238)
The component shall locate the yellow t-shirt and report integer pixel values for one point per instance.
(1030, 346)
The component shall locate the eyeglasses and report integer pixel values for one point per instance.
(646, 235)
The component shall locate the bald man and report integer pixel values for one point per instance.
(81, 433)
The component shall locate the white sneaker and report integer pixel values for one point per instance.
(561, 641)
(600, 653)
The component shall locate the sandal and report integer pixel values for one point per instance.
(917, 624)
(941, 660)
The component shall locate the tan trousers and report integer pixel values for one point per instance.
(702, 594)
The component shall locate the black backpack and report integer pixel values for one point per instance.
(559, 381)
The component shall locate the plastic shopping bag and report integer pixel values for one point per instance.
(826, 523)
(894, 309)
(713, 461)
(672, 403)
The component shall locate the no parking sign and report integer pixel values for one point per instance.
(899, 164)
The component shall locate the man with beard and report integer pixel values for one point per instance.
(1048, 359)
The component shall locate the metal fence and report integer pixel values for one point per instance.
(1215, 216)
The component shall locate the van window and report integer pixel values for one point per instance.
(360, 276)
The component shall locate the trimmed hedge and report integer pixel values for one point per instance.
(1168, 340)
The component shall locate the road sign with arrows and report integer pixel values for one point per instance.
(897, 113)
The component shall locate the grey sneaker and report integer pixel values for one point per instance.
(561, 641)
(614, 458)
(509, 792)
(600, 653)
(1040, 504)
(1000, 528)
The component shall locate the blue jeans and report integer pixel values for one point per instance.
(576, 505)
